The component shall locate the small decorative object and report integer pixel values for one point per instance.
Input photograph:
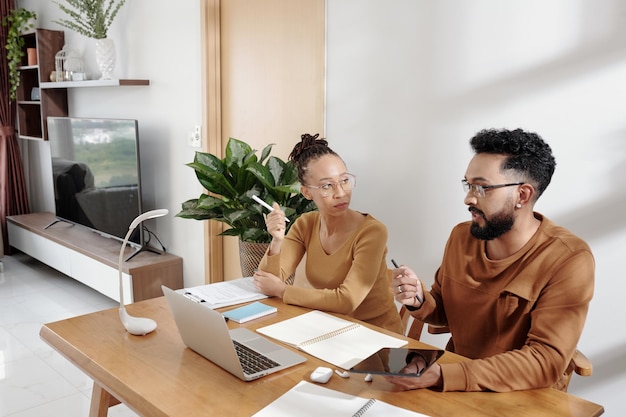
(93, 19)
(232, 181)
(67, 63)
(35, 94)
(31, 54)
(53, 76)
(73, 62)
(59, 65)
(18, 21)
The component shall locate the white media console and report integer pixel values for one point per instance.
(93, 259)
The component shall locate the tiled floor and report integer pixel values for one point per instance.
(35, 381)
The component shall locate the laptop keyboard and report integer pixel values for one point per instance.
(251, 361)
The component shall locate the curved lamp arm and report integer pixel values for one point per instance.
(135, 325)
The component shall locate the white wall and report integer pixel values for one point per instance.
(157, 40)
(409, 82)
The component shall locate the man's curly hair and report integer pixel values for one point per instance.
(527, 154)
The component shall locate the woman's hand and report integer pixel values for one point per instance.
(269, 284)
(275, 223)
(406, 286)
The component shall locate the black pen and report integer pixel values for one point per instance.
(417, 297)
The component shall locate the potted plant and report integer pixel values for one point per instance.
(232, 181)
(18, 21)
(93, 19)
(90, 18)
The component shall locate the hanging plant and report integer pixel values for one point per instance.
(18, 21)
(90, 18)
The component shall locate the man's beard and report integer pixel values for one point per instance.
(499, 224)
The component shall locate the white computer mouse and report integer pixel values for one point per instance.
(321, 374)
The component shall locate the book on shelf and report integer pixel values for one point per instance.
(225, 293)
(332, 339)
(249, 312)
(310, 400)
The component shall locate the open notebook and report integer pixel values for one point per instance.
(337, 341)
(311, 400)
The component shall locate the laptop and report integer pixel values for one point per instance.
(240, 351)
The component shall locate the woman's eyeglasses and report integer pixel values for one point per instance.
(347, 182)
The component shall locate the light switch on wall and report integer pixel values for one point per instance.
(195, 137)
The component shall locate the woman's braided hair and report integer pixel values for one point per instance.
(310, 148)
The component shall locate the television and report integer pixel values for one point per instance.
(96, 174)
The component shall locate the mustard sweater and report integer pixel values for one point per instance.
(520, 318)
(351, 281)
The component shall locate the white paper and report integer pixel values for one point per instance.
(226, 293)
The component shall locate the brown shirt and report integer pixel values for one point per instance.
(519, 317)
(352, 281)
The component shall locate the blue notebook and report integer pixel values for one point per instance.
(249, 312)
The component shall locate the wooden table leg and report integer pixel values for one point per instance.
(101, 400)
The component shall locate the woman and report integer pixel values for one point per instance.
(345, 249)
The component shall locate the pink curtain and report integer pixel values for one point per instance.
(13, 196)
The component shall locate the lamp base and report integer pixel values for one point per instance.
(137, 326)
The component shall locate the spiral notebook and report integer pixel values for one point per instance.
(307, 399)
(337, 341)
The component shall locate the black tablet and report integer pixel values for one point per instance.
(392, 361)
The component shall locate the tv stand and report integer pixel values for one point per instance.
(55, 221)
(144, 248)
(93, 259)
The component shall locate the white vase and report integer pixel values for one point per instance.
(105, 57)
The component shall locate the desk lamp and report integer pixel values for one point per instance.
(136, 325)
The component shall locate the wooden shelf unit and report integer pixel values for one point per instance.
(93, 259)
(32, 114)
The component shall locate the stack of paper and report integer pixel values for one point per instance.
(226, 293)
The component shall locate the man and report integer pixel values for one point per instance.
(513, 287)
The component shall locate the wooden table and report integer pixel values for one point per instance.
(156, 375)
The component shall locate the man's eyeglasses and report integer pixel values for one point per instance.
(347, 182)
(479, 190)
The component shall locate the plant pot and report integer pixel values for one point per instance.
(250, 255)
(31, 53)
(105, 57)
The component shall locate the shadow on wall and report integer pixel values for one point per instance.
(604, 216)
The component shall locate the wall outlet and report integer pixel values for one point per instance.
(195, 137)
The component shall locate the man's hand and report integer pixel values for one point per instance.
(430, 378)
(406, 287)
